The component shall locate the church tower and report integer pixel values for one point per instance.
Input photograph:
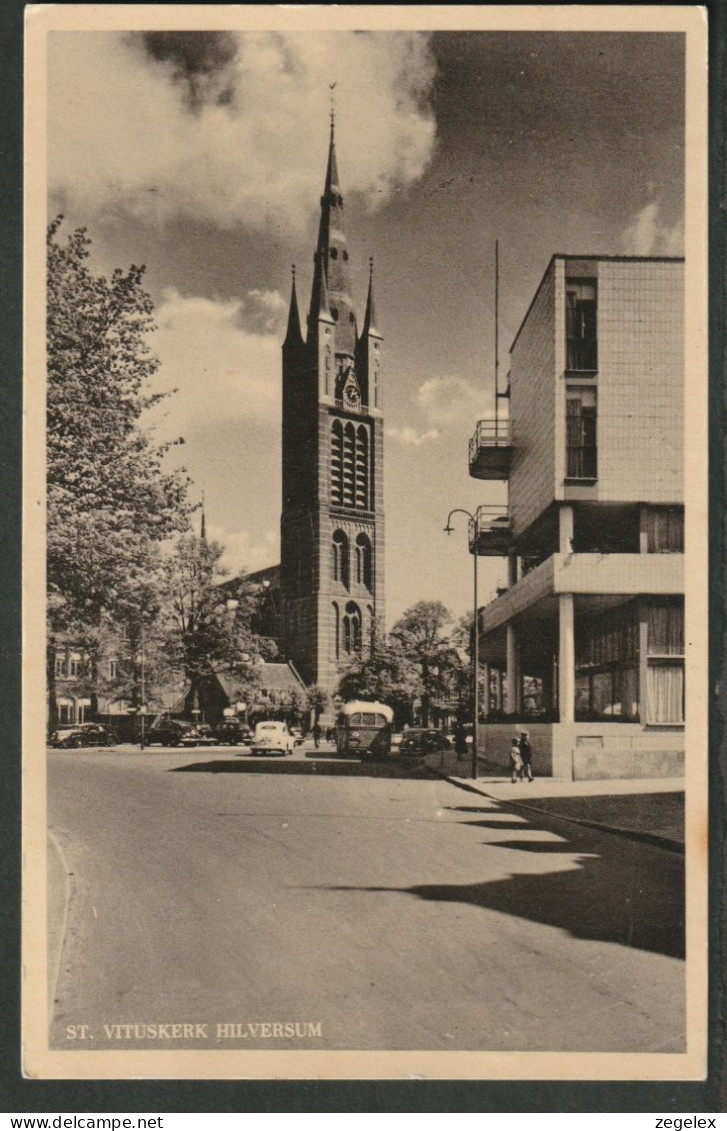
(332, 524)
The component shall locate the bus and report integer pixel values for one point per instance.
(364, 729)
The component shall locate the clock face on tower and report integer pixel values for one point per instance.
(350, 393)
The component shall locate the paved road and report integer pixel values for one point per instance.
(374, 910)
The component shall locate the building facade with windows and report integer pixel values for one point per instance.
(592, 619)
(332, 522)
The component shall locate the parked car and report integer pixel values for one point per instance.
(419, 741)
(232, 732)
(272, 736)
(297, 734)
(172, 732)
(83, 734)
(205, 735)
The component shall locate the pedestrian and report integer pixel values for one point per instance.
(516, 761)
(316, 734)
(526, 754)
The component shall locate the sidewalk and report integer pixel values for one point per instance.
(647, 809)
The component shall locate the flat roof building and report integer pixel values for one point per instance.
(586, 645)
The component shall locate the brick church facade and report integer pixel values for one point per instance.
(332, 521)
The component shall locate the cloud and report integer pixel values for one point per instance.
(409, 436)
(450, 401)
(231, 128)
(242, 551)
(446, 404)
(649, 235)
(209, 353)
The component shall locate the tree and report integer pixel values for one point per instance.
(204, 631)
(109, 500)
(422, 634)
(384, 674)
(317, 701)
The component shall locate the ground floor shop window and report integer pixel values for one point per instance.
(665, 661)
(665, 691)
(608, 693)
(607, 675)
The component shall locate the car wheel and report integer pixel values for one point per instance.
(111, 740)
(76, 743)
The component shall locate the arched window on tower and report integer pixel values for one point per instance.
(362, 468)
(341, 558)
(336, 631)
(364, 561)
(337, 463)
(349, 465)
(352, 629)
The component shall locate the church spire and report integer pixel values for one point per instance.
(293, 336)
(331, 274)
(203, 525)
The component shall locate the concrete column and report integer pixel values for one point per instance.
(565, 529)
(512, 673)
(643, 531)
(512, 570)
(643, 661)
(498, 689)
(485, 700)
(566, 659)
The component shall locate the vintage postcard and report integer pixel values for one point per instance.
(365, 603)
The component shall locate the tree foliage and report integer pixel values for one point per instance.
(110, 501)
(384, 674)
(203, 630)
(424, 633)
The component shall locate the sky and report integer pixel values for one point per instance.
(204, 158)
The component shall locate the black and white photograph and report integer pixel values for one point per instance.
(365, 543)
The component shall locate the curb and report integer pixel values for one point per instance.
(631, 834)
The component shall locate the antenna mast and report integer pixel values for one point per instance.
(497, 355)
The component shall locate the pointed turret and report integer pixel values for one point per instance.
(293, 337)
(368, 351)
(331, 263)
(370, 325)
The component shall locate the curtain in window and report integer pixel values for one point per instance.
(665, 530)
(666, 630)
(665, 693)
(573, 438)
(581, 435)
(581, 326)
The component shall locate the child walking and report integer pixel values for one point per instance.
(516, 761)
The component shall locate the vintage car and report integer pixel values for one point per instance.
(172, 732)
(272, 737)
(82, 734)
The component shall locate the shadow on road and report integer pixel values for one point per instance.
(319, 767)
(632, 897)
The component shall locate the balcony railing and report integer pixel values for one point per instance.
(490, 449)
(489, 534)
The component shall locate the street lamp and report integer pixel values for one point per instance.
(476, 653)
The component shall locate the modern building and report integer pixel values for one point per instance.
(332, 523)
(590, 630)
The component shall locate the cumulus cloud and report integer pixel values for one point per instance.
(650, 235)
(244, 552)
(410, 437)
(231, 128)
(209, 352)
(450, 400)
(446, 404)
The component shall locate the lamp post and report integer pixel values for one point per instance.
(476, 649)
(142, 705)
